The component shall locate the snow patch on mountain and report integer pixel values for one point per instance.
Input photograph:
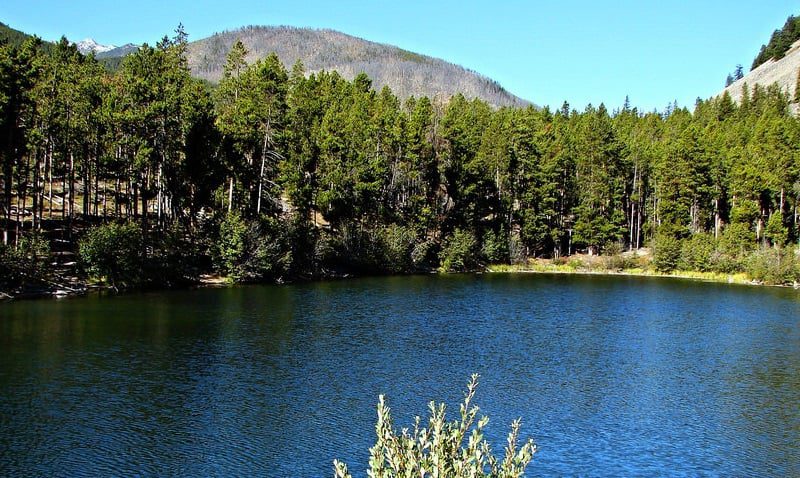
(89, 45)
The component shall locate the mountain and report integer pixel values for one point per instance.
(406, 73)
(11, 36)
(118, 51)
(14, 37)
(88, 46)
(783, 71)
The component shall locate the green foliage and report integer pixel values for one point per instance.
(495, 247)
(666, 253)
(425, 255)
(114, 253)
(779, 43)
(459, 252)
(175, 258)
(746, 212)
(359, 248)
(398, 244)
(252, 250)
(598, 220)
(16, 38)
(737, 240)
(775, 231)
(697, 252)
(8, 273)
(620, 262)
(25, 263)
(456, 449)
(325, 175)
(773, 266)
(375, 250)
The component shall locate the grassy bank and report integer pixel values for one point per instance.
(598, 265)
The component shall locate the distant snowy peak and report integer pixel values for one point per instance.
(88, 46)
(117, 52)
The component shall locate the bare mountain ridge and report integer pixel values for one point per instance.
(406, 73)
(783, 72)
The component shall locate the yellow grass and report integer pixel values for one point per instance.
(576, 267)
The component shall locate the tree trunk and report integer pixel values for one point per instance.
(50, 182)
(261, 176)
(71, 206)
(160, 197)
(230, 195)
(35, 205)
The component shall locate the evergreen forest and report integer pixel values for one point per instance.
(779, 43)
(147, 177)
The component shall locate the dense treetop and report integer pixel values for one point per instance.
(779, 43)
(276, 173)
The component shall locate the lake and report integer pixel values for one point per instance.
(612, 376)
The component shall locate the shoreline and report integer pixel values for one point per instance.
(218, 281)
(710, 277)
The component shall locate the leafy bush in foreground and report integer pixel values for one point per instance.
(439, 451)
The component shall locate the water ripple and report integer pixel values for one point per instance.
(612, 376)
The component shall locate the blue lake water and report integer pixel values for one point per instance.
(612, 376)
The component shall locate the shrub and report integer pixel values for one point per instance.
(252, 250)
(25, 263)
(381, 249)
(726, 264)
(8, 273)
(230, 244)
(576, 263)
(325, 249)
(357, 247)
(619, 262)
(612, 248)
(737, 240)
(438, 449)
(114, 253)
(773, 266)
(560, 260)
(666, 253)
(517, 253)
(696, 253)
(396, 246)
(175, 259)
(424, 255)
(460, 252)
(495, 247)
(303, 239)
(733, 246)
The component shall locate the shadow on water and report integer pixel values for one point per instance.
(611, 375)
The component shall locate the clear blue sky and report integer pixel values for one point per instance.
(544, 51)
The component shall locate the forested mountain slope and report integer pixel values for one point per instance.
(405, 72)
(13, 37)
